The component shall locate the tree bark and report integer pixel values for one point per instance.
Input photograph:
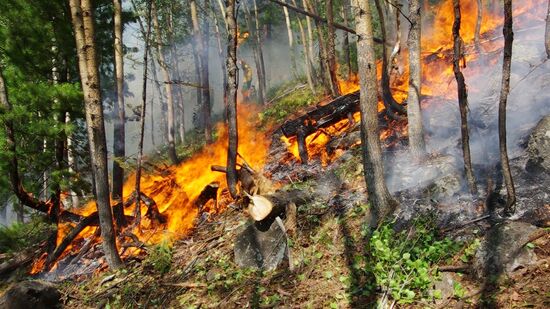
(478, 25)
(345, 43)
(71, 162)
(462, 97)
(168, 87)
(308, 65)
(323, 62)
(504, 90)
(290, 34)
(309, 37)
(83, 26)
(387, 96)
(142, 118)
(206, 108)
(414, 115)
(119, 130)
(260, 49)
(547, 34)
(221, 55)
(256, 52)
(231, 91)
(331, 51)
(379, 197)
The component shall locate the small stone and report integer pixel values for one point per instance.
(31, 294)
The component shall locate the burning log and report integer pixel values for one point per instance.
(321, 117)
(210, 192)
(251, 181)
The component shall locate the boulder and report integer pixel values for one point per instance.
(257, 248)
(538, 147)
(503, 249)
(31, 294)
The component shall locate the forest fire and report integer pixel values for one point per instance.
(437, 69)
(175, 190)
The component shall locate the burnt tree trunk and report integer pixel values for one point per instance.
(387, 96)
(232, 85)
(142, 118)
(83, 26)
(382, 202)
(458, 55)
(414, 115)
(118, 105)
(504, 90)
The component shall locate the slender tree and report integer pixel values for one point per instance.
(308, 65)
(346, 51)
(416, 131)
(380, 199)
(142, 114)
(504, 90)
(331, 50)
(291, 45)
(83, 26)
(458, 55)
(232, 85)
(167, 86)
(547, 35)
(206, 108)
(478, 25)
(119, 131)
(256, 50)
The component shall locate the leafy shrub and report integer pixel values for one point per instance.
(403, 264)
(19, 236)
(160, 257)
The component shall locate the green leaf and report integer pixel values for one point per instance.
(530, 245)
(437, 294)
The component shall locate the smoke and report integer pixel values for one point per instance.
(528, 102)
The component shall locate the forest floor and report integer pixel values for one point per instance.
(331, 261)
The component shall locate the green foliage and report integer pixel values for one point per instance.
(160, 257)
(20, 236)
(470, 250)
(403, 264)
(285, 105)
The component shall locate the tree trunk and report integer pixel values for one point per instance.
(71, 162)
(387, 96)
(231, 91)
(379, 196)
(478, 25)
(119, 134)
(308, 65)
(202, 54)
(414, 115)
(222, 58)
(206, 109)
(547, 35)
(462, 97)
(331, 51)
(504, 90)
(260, 50)
(142, 118)
(168, 87)
(83, 26)
(291, 47)
(309, 40)
(345, 44)
(323, 62)
(256, 52)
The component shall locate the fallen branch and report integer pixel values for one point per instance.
(284, 94)
(454, 269)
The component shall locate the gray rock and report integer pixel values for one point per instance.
(502, 249)
(259, 249)
(31, 294)
(538, 147)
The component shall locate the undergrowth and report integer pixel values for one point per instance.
(403, 264)
(19, 236)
